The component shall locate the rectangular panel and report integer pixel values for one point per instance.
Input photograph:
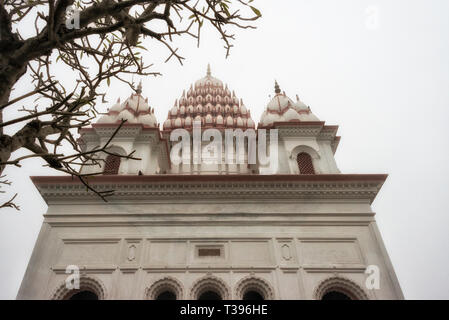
(86, 253)
(131, 250)
(330, 252)
(252, 253)
(167, 253)
(209, 252)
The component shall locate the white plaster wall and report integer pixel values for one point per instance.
(323, 239)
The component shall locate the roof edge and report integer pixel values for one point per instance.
(380, 178)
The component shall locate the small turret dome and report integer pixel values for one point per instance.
(281, 108)
(147, 119)
(167, 124)
(243, 109)
(308, 117)
(134, 109)
(178, 123)
(188, 121)
(240, 122)
(229, 121)
(291, 114)
(182, 110)
(126, 115)
(208, 119)
(299, 105)
(107, 119)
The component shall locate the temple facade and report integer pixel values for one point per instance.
(246, 211)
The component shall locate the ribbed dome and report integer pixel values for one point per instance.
(291, 114)
(299, 105)
(279, 103)
(282, 109)
(135, 109)
(211, 103)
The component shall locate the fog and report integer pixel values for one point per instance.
(378, 69)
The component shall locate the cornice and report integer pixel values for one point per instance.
(204, 188)
(310, 129)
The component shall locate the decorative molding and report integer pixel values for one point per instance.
(304, 131)
(308, 129)
(340, 284)
(132, 252)
(90, 240)
(165, 284)
(90, 283)
(210, 282)
(202, 269)
(203, 188)
(98, 269)
(342, 268)
(286, 252)
(253, 283)
(284, 220)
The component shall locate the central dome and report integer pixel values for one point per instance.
(211, 103)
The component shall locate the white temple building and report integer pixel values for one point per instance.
(296, 228)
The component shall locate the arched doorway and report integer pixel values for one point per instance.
(252, 295)
(90, 288)
(253, 288)
(209, 288)
(167, 288)
(209, 295)
(84, 295)
(166, 295)
(339, 288)
(335, 295)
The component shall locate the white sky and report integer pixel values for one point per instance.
(386, 86)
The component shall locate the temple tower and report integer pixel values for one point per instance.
(298, 229)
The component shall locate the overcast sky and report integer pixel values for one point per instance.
(378, 69)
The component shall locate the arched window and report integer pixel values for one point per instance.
(210, 288)
(252, 295)
(90, 288)
(253, 288)
(305, 164)
(338, 288)
(112, 164)
(84, 295)
(209, 295)
(167, 288)
(166, 295)
(335, 295)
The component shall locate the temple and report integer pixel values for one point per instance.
(293, 228)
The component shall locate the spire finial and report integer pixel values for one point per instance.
(208, 69)
(139, 88)
(277, 90)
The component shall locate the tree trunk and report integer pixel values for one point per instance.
(10, 73)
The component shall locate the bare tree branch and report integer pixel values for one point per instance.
(99, 43)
